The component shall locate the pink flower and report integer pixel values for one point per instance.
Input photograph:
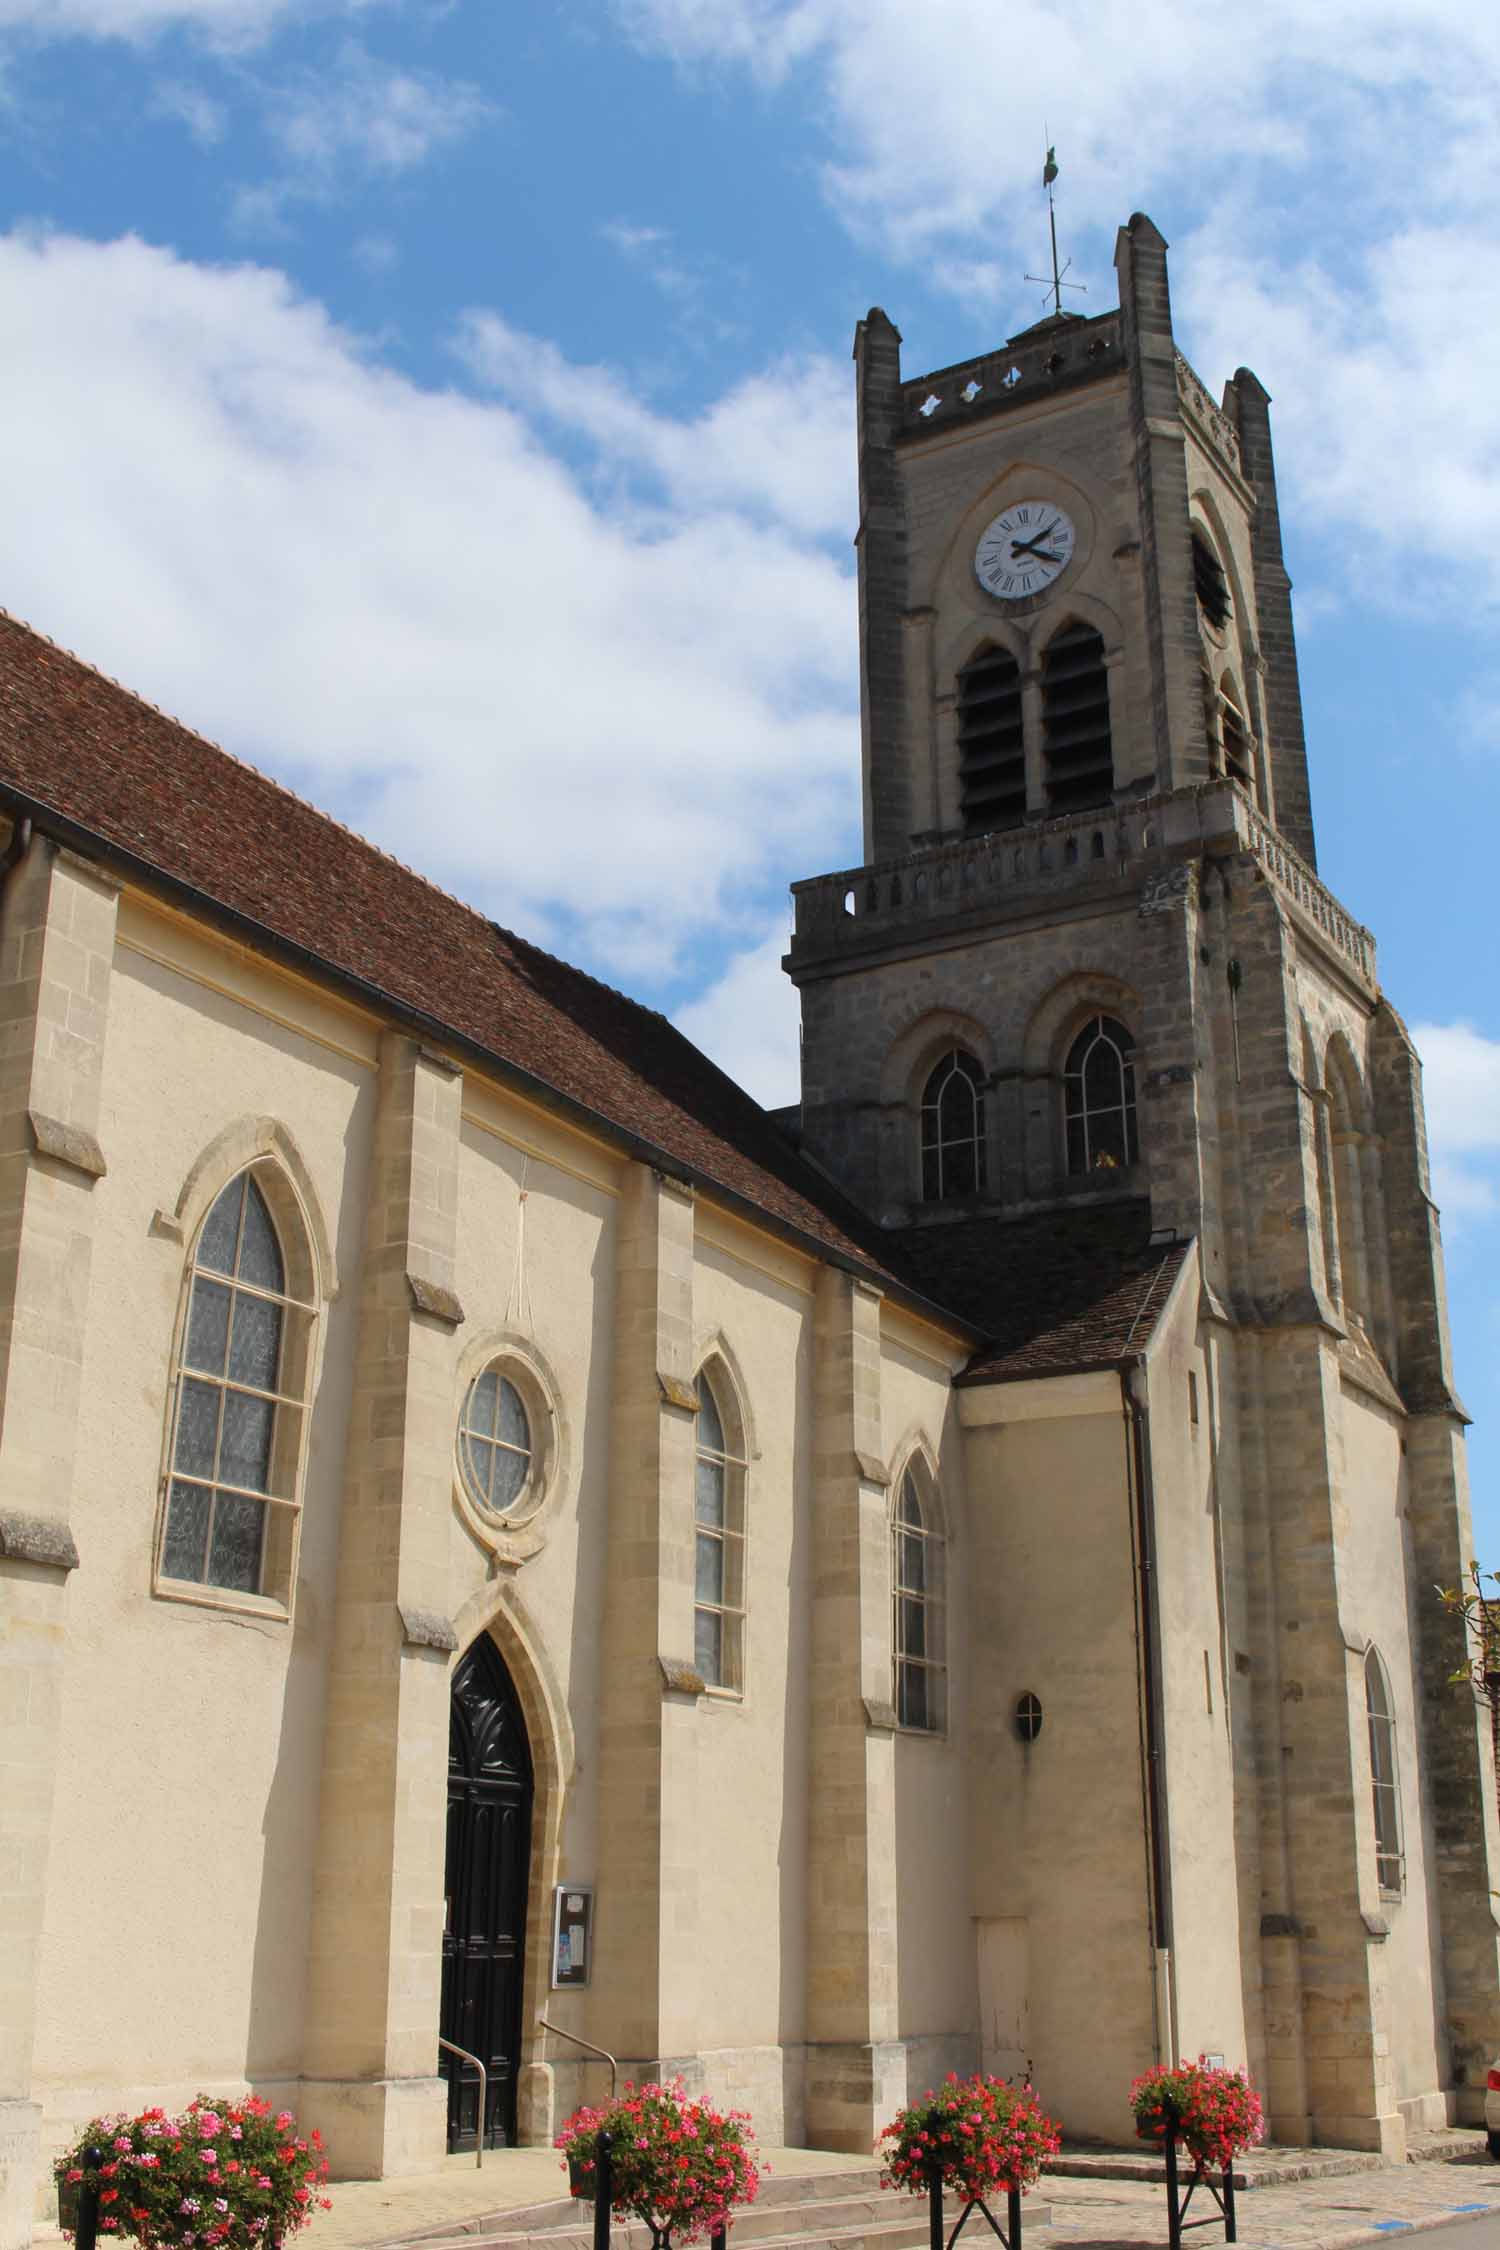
(220, 2204)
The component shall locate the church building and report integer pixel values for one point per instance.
(494, 1524)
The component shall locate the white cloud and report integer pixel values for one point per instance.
(370, 113)
(205, 118)
(748, 1021)
(610, 723)
(1461, 1088)
(231, 23)
(780, 442)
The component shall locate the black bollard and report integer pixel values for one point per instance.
(1174, 2211)
(718, 2238)
(1013, 2216)
(604, 2189)
(88, 2200)
(1229, 2228)
(935, 2204)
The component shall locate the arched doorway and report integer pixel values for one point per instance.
(484, 1930)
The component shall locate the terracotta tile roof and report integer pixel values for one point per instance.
(76, 745)
(1054, 1293)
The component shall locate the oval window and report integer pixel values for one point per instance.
(494, 1441)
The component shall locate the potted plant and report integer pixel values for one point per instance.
(677, 2163)
(225, 2173)
(977, 2136)
(1216, 2112)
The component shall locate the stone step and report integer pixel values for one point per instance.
(810, 2212)
(568, 2213)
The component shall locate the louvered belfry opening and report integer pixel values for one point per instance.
(1075, 721)
(1238, 763)
(991, 754)
(1211, 585)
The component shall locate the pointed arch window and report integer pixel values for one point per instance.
(918, 1622)
(991, 752)
(239, 1399)
(1077, 751)
(953, 1155)
(1099, 1098)
(1390, 1865)
(719, 1526)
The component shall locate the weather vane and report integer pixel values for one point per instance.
(1057, 284)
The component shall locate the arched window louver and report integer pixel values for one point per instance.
(238, 1406)
(991, 755)
(1389, 1864)
(953, 1129)
(1239, 762)
(1210, 583)
(1076, 747)
(1099, 1098)
(917, 1601)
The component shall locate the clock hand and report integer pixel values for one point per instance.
(1034, 547)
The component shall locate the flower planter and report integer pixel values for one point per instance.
(580, 2182)
(676, 2164)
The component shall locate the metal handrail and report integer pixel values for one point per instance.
(463, 2052)
(588, 2045)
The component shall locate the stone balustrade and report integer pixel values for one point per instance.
(1117, 845)
(1060, 354)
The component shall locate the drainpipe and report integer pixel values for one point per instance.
(1138, 1459)
(15, 850)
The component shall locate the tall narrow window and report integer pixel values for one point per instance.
(1234, 735)
(1099, 1098)
(991, 755)
(1076, 745)
(917, 1594)
(719, 1510)
(1389, 1864)
(236, 1435)
(953, 1129)
(1209, 584)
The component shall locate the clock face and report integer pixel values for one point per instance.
(1024, 550)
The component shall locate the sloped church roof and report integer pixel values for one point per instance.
(96, 766)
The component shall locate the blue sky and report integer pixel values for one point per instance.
(447, 406)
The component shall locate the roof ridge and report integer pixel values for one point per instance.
(293, 796)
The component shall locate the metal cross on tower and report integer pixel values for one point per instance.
(1057, 284)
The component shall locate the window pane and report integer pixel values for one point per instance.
(239, 1527)
(1102, 1088)
(183, 1548)
(709, 1578)
(480, 1412)
(912, 1627)
(510, 1474)
(932, 1177)
(710, 1428)
(959, 1170)
(476, 1455)
(912, 1562)
(909, 1507)
(260, 1253)
(245, 1449)
(1078, 1159)
(708, 1643)
(731, 1657)
(216, 1244)
(708, 1491)
(733, 1553)
(912, 1706)
(208, 1325)
(956, 1107)
(1106, 1141)
(197, 1428)
(255, 1350)
(514, 1427)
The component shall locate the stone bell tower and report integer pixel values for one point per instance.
(1088, 974)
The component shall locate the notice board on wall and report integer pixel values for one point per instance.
(572, 1935)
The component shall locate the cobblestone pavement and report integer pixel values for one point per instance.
(1323, 2214)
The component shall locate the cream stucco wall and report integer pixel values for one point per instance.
(1059, 1830)
(174, 1948)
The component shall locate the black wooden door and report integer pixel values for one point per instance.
(484, 1935)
